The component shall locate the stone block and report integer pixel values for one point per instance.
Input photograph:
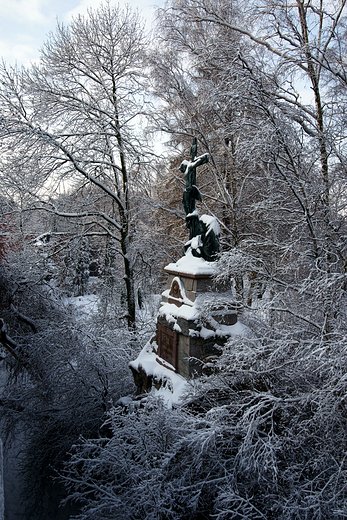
(226, 319)
(201, 348)
(161, 320)
(191, 295)
(188, 283)
(167, 340)
(183, 356)
(204, 285)
(142, 380)
(186, 325)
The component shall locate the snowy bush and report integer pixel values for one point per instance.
(264, 437)
(63, 370)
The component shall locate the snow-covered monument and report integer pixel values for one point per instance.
(196, 317)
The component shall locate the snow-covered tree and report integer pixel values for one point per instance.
(61, 371)
(237, 76)
(75, 120)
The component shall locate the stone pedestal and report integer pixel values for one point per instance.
(185, 336)
(195, 320)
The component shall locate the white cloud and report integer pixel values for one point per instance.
(24, 10)
(21, 53)
(145, 7)
(81, 8)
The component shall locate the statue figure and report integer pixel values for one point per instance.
(204, 232)
(191, 192)
(210, 232)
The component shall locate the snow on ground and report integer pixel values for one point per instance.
(87, 304)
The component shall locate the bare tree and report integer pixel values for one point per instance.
(75, 118)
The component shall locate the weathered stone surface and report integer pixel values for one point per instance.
(167, 340)
(201, 348)
(204, 285)
(163, 321)
(188, 283)
(202, 351)
(169, 281)
(224, 317)
(183, 356)
(186, 326)
(142, 380)
(179, 340)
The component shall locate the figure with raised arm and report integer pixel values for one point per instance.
(203, 232)
(191, 192)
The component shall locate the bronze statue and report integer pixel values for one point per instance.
(191, 192)
(206, 245)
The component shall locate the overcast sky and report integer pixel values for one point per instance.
(24, 24)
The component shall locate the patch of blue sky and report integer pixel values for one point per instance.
(25, 24)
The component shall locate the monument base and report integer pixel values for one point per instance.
(195, 320)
